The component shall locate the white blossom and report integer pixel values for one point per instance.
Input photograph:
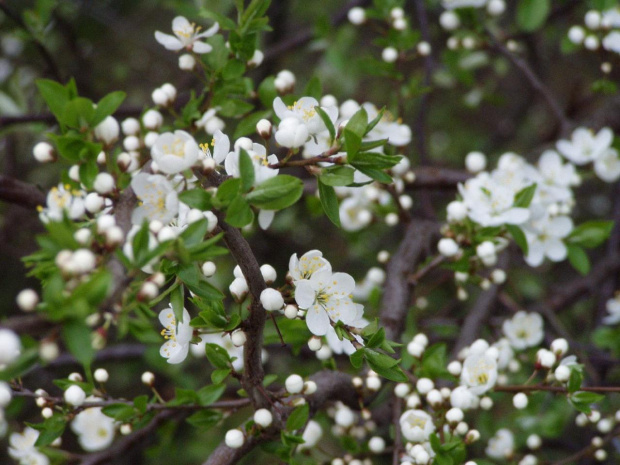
(178, 336)
(501, 446)
(309, 263)
(186, 36)
(95, 430)
(158, 199)
(175, 152)
(479, 372)
(524, 330)
(584, 146)
(416, 425)
(613, 309)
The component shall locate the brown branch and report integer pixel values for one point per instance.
(534, 81)
(21, 193)
(559, 389)
(398, 290)
(431, 177)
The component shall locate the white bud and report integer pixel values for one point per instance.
(376, 445)
(271, 299)
(461, 428)
(208, 269)
(152, 119)
(264, 128)
(469, 42)
(44, 152)
(5, 394)
(170, 91)
(576, 34)
(373, 383)
(389, 54)
(290, 312)
(592, 19)
(166, 233)
(284, 81)
(449, 20)
(457, 211)
(454, 415)
(400, 24)
(434, 397)
(448, 247)
(257, 59)
(108, 130)
(114, 236)
(83, 261)
(294, 384)
(47, 413)
(496, 7)
(101, 375)
(131, 143)
(498, 276)
(597, 441)
(485, 249)
(534, 441)
(269, 273)
(559, 347)
(600, 455)
(562, 373)
(187, 62)
(75, 395)
(591, 43)
(148, 291)
(160, 97)
(101, 158)
(402, 390)
(130, 126)
(344, 417)
(472, 436)
(424, 385)
(383, 256)
(520, 401)
(238, 338)
(414, 349)
(263, 417)
(238, 288)
(454, 368)
(356, 15)
(74, 173)
(486, 403)
(545, 358)
(234, 438)
(475, 162)
(605, 425)
(94, 202)
(48, 351)
(150, 138)
(148, 378)
(310, 387)
(452, 43)
(104, 183)
(424, 48)
(291, 133)
(27, 300)
(315, 343)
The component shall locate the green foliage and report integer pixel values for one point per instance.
(532, 14)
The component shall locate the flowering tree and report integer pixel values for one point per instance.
(248, 268)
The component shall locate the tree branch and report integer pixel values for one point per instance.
(21, 193)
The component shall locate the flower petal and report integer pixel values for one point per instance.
(317, 320)
(168, 41)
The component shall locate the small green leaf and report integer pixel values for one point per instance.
(107, 106)
(239, 213)
(578, 258)
(220, 375)
(196, 198)
(357, 358)
(329, 201)
(77, 338)
(233, 70)
(591, 233)
(177, 300)
(55, 95)
(120, 412)
(298, 418)
(246, 167)
(276, 193)
(329, 124)
(337, 176)
(205, 419)
(218, 356)
(209, 394)
(519, 237)
(524, 197)
(314, 88)
(532, 14)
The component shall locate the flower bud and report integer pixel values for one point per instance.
(148, 378)
(75, 395)
(27, 300)
(238, 338)
(520, 401)
(208, 269)
(108, 131)
(269, 273)
(389, 54)
(234, 438)
(152, 119)
(44, 152)
(101, 375)
(271, 299)
(187, 62)
(356, 16)
(448, 247)
(263, 417)
(294, 384)
(104, 183)
(263, 128)
(130, 126)
(475, 162)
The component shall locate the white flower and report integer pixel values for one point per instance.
(108, 130)
(178, 336)
(585, 147)
(303, 111)
(479, 372)
(186, 36)
(21, 447)
(345, 346)
(354, 213)
(416, 425)
(260, 161)
(326, 297)
(524, 330)
(311, 435)
(613, 308)
(174, 153)
(607, 166)
(61, 200)
(10, 346)
(544, 238)
(553, 178)
(461, 397)
(611, 42)
(211, 123)
(95, 430)
(388, 127)
(309, 263)
(490, 203)
(501, 445)
(158, 199)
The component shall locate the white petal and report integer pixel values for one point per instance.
(201, 47)
(305, 294)
(168, 41)
(280, 108)
(342, 283)
(181, 23)
(556, 250)
(265, 217)
(317, 320)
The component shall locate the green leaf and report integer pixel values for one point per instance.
(246, 167)
(77, 338)
(357, 358)
(376, 174)
(196, 198)
(374, 160)
(385, 365)
(375, 120)
(376, 339)
(298, 417)
(267, 92)
(75, 149)
(195, 232)
(56, 97)
(120, 412)
(337, 176)
(524, 197)
(88, 172)
(205, 419)
(227, 191)
(79, 113)
(532, 14)
(233, 70)
(327, 121)
(225, 22)
(218, 356)
(107, 106)
(578, 258)
(276, 193)
(314, 88)
(177, 300)
(519, 237)
(354, 132)
(582, 400)
(209, 394)
(220, 375)
(140, 242)
(329, 201)
(576, 378)
(591, 233)
(434, 362)
(141, 403)
(49, 430)
(239, 213)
